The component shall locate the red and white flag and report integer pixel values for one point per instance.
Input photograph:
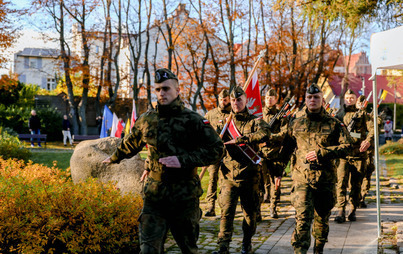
(254, 103)
(134, 116)
(117, 127)
(246, 149)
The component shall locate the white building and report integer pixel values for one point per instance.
(37, 66)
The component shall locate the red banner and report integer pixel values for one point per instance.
(254, 103)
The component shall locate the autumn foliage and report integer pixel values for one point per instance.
(42, 211)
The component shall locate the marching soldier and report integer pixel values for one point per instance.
(272, 167)
(366, 181)
(178, 141)
(354, 165)
(216, 117)
(239, 175)
(317, 139)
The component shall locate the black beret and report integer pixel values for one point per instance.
(164, 74)
(313, 89)
(237, 92)
(349, 91)
(361, 98)
(224, 93)
(271, 92)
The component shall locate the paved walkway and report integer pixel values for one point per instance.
(274, 235)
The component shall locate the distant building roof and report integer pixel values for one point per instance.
(355, 84)
(39, 52)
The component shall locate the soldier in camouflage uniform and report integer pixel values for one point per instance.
(216, 117)
(353, 166)
(366, 181)
(178, 141)
(317, 139)
(239, 176)
(272, 167)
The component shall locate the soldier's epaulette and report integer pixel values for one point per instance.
(150, 111)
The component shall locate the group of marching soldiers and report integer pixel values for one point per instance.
(248, 157)
(340, 157)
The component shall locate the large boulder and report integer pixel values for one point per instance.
(87, 158)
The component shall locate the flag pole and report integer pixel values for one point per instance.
(261, 54)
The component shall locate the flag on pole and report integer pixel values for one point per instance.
(254, 102)
(383, 95)
(106, 122)
(134, 115)
(127, 127)
(117, 127)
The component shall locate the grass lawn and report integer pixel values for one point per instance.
(394, 163)
(48, 156)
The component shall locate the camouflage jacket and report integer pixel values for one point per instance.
(237, 166)
(172, 130)
(217, 117)
(318, 132)
(271, 149)
(363, 128)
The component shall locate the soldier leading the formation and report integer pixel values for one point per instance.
(178, 141)
(216, 118)
(239, 176)
(354, 165)
(317, 139)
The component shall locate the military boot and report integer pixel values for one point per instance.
(341, 215)
(273, 212)
(210, 212)
(318, 247)
(224, 248)
(362, 204)
(246, 248)
(351, 216)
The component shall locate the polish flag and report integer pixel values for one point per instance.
(254, 102)
(117, 127)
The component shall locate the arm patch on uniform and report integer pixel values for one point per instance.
(205, 121)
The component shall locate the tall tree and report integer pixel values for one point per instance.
(80, 11)
(55, 9)
(8, 29)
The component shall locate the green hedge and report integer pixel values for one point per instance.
(42, 211)
(11, 147)
(391, 148)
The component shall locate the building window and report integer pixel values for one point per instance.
(51, 84)
(32, 63)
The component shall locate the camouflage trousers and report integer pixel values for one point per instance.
(350, 171)
(366, 181)
(211, 195)
(230, 192)
(169, 209)
(269, 176)
(311, 204)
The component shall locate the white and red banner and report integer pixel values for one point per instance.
(246, 149)
(134, 115)
(254, 103)
(117, 127)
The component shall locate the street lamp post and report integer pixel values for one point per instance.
(394, 112)
(363, 86)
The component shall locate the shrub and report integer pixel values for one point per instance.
(42, 211)
(391, 148)
(12, 147)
